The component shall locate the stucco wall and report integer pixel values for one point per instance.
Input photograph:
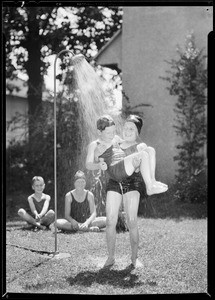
(112, 53)
(150, 36)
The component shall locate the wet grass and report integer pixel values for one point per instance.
(173, 249)
(174, 255)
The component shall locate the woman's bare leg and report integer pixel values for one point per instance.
(99, 222)
(63, 224)
(113, 202)
(131, 204)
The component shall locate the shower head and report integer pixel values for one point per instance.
(77, 59)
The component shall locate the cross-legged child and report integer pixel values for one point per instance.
(37, 213)
(80, 209)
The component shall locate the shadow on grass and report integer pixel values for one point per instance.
(118, 278)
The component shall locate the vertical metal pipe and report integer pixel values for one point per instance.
(55, 147)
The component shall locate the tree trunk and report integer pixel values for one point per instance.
(33, 67)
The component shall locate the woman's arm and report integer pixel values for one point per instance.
(68, 200)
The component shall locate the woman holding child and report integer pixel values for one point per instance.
(128, 164)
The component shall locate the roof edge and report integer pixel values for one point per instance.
(108, 43)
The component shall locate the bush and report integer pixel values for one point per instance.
(17, 177)
(188, 82)
(192, 190)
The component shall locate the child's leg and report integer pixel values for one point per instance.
(152, 163)
(151, 187)
(48, 218)
(28, 218)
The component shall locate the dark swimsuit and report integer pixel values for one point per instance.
(80, 211)
(38, 205)
(119, 181)
(113, 157)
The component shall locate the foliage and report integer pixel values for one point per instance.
(194, 190)
(34, 33)
(188, 82)
(25, 161)
(98, 183)
(16, 169)
(31, 35)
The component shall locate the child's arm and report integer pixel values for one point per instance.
(141, 146)
(45, 206)
(90, 160)
(32, 207)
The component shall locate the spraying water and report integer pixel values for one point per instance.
(95, 101)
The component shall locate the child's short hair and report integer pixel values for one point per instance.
(104, 121)
(37, 178)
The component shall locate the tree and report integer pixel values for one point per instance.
(188, 82)
(33, 33)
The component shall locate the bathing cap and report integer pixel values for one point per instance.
(79, 175)
(136, 120)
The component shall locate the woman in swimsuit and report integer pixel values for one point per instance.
(80, 210)
(113, 158)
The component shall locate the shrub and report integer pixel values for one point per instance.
(193, 190)
(188, 82)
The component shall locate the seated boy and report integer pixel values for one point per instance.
(38, 215)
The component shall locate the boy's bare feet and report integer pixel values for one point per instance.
(40, 226)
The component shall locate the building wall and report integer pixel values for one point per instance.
(150, 36)
(15, 104)
(112, 53)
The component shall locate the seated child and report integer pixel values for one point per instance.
(80, 209)
(38, 215)
(105, 153)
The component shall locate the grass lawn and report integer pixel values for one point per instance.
(174, 254)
